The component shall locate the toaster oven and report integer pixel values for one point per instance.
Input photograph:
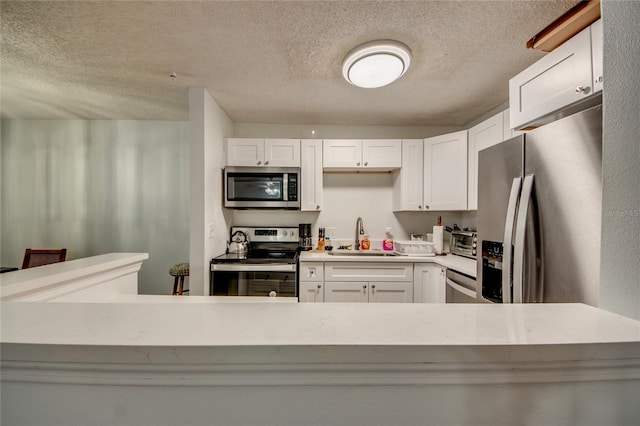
(464, 243)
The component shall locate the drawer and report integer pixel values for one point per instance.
(311, 271)
(368, 271)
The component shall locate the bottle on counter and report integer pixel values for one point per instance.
(387, 243)
(320, 239)
(365, 244)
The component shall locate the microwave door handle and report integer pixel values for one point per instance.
(508, 238)
(519, 245)
(285, 187)
(230, 195)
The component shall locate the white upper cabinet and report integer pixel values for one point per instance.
(263, 152)
(565, 76)
(597, 55)
(408, 182)
(488, 133)
(445, 172)
(311, 175)
(382, 154)
(362, 154)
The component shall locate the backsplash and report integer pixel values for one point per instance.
(348, 196)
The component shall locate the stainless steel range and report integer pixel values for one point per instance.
(267, 268)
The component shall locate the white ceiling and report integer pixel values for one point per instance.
(263, 61)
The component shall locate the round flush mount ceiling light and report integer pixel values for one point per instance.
(376, 63)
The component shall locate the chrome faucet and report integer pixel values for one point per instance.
(359, 231)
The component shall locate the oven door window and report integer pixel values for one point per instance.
(248, 187)
(254, 283)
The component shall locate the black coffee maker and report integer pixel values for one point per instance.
(304, 234)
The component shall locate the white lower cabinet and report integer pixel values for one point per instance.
(311, 278)
(311, 292)
(356, 282)
(429, 283)
(369, 292)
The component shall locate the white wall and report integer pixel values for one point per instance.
(94, 187)
(347, 196)
(209, 127)
(620, 267)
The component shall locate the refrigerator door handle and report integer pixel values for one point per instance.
(521, 228)
(508, 238)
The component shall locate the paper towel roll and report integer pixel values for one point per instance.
(437, 239)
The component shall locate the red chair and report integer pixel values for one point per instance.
(39, 257)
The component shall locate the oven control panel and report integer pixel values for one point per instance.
(281, 234)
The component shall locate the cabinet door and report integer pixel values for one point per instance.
(422, 276)
(390, 292)
(245, 152)
(311, 292)
(383, 154)
(342, 153)
(481, 136)
(311, 171)
(408, 182)
(560, 78)
(346, 292)
(596, 55)
(438, 285)
(282, 152)
(445, 172)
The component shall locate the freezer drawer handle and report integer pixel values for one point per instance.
(508, 239)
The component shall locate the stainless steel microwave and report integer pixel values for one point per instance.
(262, 187)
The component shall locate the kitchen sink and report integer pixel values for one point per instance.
(343, 252)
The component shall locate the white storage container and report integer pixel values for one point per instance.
(414, 248)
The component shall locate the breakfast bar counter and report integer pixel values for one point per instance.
(198, 360)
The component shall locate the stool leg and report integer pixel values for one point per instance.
(181, 285)
(175, 286)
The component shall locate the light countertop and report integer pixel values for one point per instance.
(567, 330)
(461, 264)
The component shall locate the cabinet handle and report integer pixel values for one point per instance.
(426, 207)
(366, 163)
(259, 162)
(319, 286)
(373, 287)
(358, 163)
(317, 207)
(598, 79)
(364, 286)
(419, 207)
(580, 89)
(266, 162)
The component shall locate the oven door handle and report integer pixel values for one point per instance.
(457, 287)
(255, 268)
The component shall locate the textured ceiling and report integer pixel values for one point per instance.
(263, 61)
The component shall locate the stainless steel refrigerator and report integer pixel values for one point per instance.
(539, 214)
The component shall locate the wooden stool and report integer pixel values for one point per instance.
(179, 271)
